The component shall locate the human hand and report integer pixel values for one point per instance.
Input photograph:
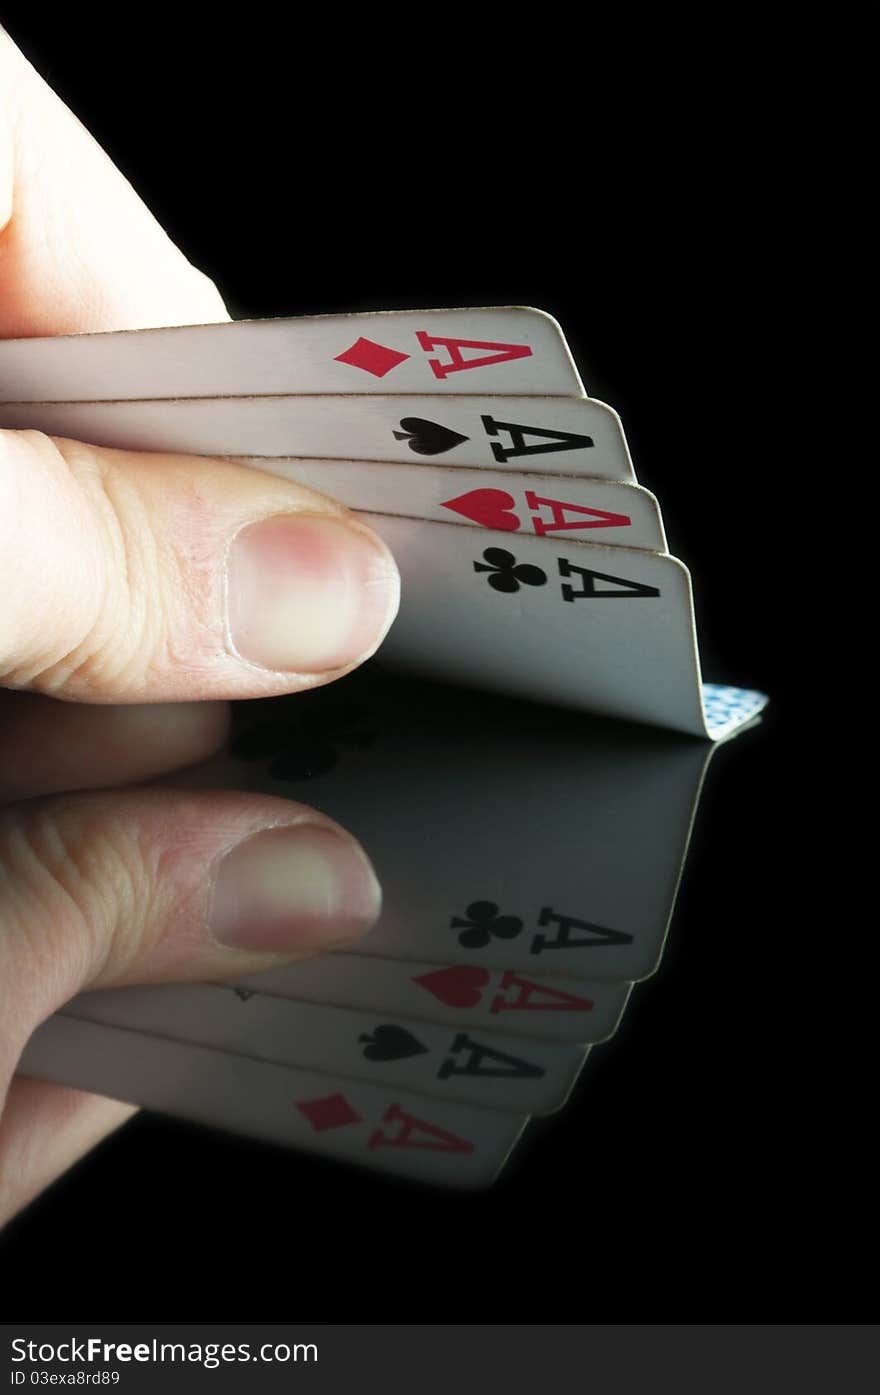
(139, 592)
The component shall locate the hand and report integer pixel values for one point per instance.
(138, 591)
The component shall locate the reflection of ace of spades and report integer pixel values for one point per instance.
(389, 1042)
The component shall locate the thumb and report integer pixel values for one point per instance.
(135, 577)
(149, 885)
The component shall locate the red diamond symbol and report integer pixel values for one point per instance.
(372, 358)
(331, 1112)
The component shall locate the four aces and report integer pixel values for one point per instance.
(286, 395)
(511, 505)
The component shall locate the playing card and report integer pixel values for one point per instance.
(460, 995)
(498, 350)
(380, 1126)
(501, 839)
(543, 505)
(547, 435)
(473, 1066)
(569, 623)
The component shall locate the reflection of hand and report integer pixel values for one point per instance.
(133, 588)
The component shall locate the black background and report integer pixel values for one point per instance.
(707, 1169)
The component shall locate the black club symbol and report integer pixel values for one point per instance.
(483, 921)
(306, 747)
(505, 574)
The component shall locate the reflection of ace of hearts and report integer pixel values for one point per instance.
(498, 1000)
(461, 985)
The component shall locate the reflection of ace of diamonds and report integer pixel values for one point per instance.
(405, 1131)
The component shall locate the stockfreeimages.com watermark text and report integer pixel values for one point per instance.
(91, 1351)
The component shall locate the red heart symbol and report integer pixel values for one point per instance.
(459, 986)
(491, 507)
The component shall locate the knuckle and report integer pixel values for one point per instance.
(119, 642)
(75, 888)
(123, 629)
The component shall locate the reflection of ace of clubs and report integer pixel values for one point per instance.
(500, 838)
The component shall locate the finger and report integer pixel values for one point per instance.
(50, 746)
(44, 1129)
(151, 885)
(135, 577)
(80, 251)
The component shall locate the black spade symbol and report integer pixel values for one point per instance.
(390, 1043)
(428, 437)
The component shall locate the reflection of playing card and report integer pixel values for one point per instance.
(479, 1068)
(500, 839)
(564, 622)
(504, 350)
(548, 435)
(383, 1127)
(461, 995)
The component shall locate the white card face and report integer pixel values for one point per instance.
(502, 839)
(500, 350)
(571, 624)
(382, 1127)
(543, 435)
(556, 506)
(467, 996)
(475, 1067)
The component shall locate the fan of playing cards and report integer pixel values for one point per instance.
(434, 424)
